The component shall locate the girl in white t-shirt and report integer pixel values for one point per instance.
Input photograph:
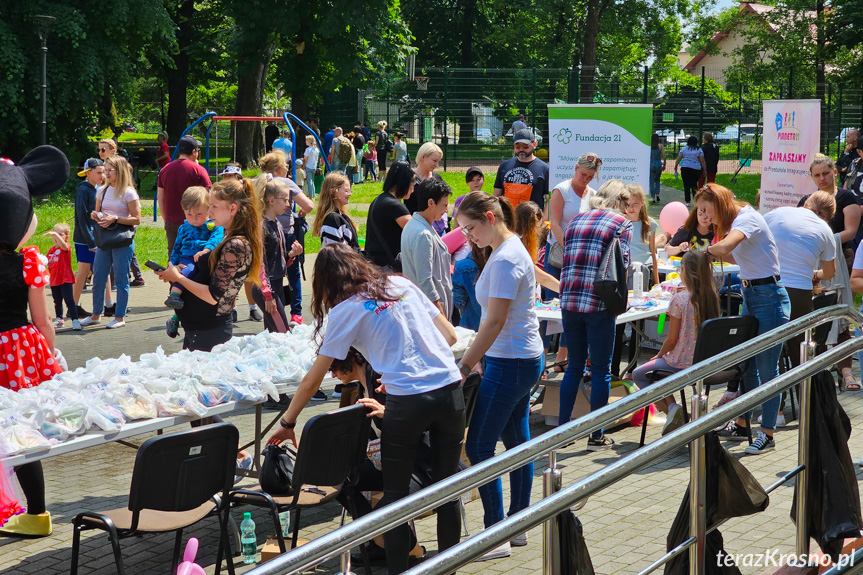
(310, 164)
(509, 340)
(407, 340)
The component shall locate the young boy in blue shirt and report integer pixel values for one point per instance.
(196, 238)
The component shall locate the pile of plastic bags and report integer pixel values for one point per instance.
(105, 394)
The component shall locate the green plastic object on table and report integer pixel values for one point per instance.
(660, 324)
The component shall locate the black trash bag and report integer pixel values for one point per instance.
(731, 491)
(574, 557)
(833, 498)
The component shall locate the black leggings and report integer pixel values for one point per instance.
(278, 289)
(690, 182)
(32, 482)
(61, 293)
(441, 412)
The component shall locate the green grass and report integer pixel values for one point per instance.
(745, 188)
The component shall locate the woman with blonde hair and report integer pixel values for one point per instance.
(332, 222)
(428, 157)
(117, 202)
(209, 296)
(107, 148)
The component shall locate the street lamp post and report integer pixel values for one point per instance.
(43, 27)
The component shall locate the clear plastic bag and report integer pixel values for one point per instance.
(178, 403)
(19, 438)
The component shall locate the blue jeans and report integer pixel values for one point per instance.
(772, 308)
(502, 412)
(548, 294)
(295, 282)
(593, 333)
(120, 259)
(309, 184)
(655, 175)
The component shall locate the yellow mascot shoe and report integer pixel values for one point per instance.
(25, 525)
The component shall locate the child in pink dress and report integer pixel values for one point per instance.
(62, 276)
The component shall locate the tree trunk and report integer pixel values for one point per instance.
(250, 102)
(178, 76)
(588, 54)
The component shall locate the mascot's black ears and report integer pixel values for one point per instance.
(43, 171)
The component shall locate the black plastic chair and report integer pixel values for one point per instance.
(714, 337)
(331, 448)
(178, 479)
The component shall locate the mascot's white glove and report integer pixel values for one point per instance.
(61, 361)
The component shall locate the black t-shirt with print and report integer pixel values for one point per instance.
(383, 233)
(523, 181)
(411, 202)
(696, 240)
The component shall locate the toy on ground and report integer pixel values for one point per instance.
(188, 566)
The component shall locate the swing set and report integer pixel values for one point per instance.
(214, 120)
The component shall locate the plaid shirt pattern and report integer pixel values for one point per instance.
(587, 237)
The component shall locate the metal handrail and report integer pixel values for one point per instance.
(551, 506)
(401, 511)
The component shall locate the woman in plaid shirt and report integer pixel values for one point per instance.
(588, 325)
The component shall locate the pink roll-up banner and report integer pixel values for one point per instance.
(792, 130)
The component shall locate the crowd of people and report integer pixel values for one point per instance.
(391, 302)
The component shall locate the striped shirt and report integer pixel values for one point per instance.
(586, 239)
(338, 228)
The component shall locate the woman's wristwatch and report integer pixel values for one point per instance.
(464, 369)
(287, 425)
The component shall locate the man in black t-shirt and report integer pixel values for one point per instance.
(523, 177)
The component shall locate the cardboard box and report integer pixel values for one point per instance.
(551, 403)
(271, 547)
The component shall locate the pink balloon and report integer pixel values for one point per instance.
(672, 216)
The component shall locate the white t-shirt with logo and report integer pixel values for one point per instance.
(509, 275)
(398, 338)
(804, 241)
(756, 255)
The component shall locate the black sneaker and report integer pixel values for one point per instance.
(82, 313)
(174, 301)
(319, 396)
(281, 405)
(734, 432)
(337, 391)
(109, 310)
(172, 327)
(234, 315)
(255, 315)
(761, 444)
(599, 444)
(139, 282)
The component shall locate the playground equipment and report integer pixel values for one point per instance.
(213, 119)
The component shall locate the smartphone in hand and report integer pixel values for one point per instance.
(154, 266)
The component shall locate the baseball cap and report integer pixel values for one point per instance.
(89, 165)
(471, 173)
(231, 170)
(188, 144)
(523, 137)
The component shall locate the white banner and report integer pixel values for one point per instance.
(792, 131)
(618, 133)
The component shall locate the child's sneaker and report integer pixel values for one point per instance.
(76, 325)
(726, 397)
(59, 322)
(172, 327)
(734, 432)
(296, 320)
(337, 391)
(174, 301)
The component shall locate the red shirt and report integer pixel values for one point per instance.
(60, 266)
(174, 178)
(165, 153)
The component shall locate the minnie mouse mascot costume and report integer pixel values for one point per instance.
(27, 356)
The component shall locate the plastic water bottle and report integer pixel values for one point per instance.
(637, 282)
(248, 539)
(285, 522)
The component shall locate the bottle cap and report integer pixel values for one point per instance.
(247, 515)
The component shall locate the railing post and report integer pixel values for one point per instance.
(807, 352)
(551, 483)
(345, 564)
(697, 490)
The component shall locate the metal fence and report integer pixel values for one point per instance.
(469, 112)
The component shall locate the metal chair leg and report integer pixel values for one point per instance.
(296, 536)
(76, 543)
(118, 556)
(175, 560)
(644, 426)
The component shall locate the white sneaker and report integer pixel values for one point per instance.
(58, 322)
(504, 550)
(674, 420)
(780, 420)
(76, 325)
(116, 324)
(88, 321)
(519, 540)
(762, 444)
